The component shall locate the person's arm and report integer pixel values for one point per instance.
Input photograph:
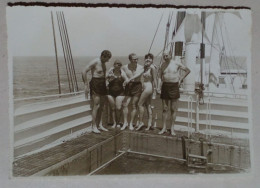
(185, 69)
(124, 75)
(84, 76)
(110, 75)
(159, 82)
(137, 74)
(153, 72)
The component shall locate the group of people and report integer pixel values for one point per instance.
(136, 84)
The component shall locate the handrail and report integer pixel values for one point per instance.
(213, 94)
(190, 100)
(48, 96)
(208, 119)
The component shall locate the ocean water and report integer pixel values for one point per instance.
(37, 75)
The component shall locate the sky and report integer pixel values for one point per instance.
(119, 30)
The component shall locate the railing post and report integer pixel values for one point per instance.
(197, 113)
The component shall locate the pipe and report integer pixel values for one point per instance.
(184, 155)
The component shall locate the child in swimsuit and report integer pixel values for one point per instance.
(115, 79)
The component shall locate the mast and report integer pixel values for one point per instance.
(202, 47)
(55, 46)
(179, 45)
(200, 86)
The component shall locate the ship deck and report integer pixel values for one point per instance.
(43, 162)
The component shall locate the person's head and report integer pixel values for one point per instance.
(117, 64)
(105, 56)
(133, 58)
(148, 59)
(166, 56)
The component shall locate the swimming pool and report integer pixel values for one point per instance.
(141, 153)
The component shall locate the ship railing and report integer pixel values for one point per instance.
(49, 96)
(217, 94)
(190, 109)
(208, 119)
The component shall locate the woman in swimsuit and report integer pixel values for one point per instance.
(115, 79)
(149, 82)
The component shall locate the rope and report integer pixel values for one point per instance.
(63, 48)
(155, 32)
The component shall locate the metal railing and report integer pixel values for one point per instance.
(208, 119)
(190, 109)
(217, 94)
(48, 96)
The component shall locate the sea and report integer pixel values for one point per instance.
(35, 76)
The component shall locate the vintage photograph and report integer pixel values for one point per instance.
(120, 91)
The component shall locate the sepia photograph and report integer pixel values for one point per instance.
(129, 91)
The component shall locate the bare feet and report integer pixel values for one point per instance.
(102, 128)
(114, 125)
(172, 131)
(163, 131)
(149, 126)
(124, 126)
(131, 127)
(95, 130)
(140, 126)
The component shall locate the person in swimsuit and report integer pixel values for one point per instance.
(171, 80)
(133, 89)
(149, 83)
(97, 86)
(115, 80)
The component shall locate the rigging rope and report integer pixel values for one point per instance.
(155, 33)
(63, 48)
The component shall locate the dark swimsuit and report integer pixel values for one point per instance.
(115, 87)
(133, 89)
(170, 90)
(98, 86)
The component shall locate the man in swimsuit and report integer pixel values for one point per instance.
(171, 80)
(97, 86)
(133, 89)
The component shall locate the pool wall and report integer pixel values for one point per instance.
(167, 146)
(90, 159)
(97, 156)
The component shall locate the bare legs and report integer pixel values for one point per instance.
(145, 96)
(96, 105)
(150, 116)
(111, 101)
(125, 111)
(99, 113)
(115, 106)
(133, 113)
(164, 115)
(119, 101)
(173, 107)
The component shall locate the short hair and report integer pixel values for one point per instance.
(148, 55)
(117, 61)
(106, 53)
(131, 55)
